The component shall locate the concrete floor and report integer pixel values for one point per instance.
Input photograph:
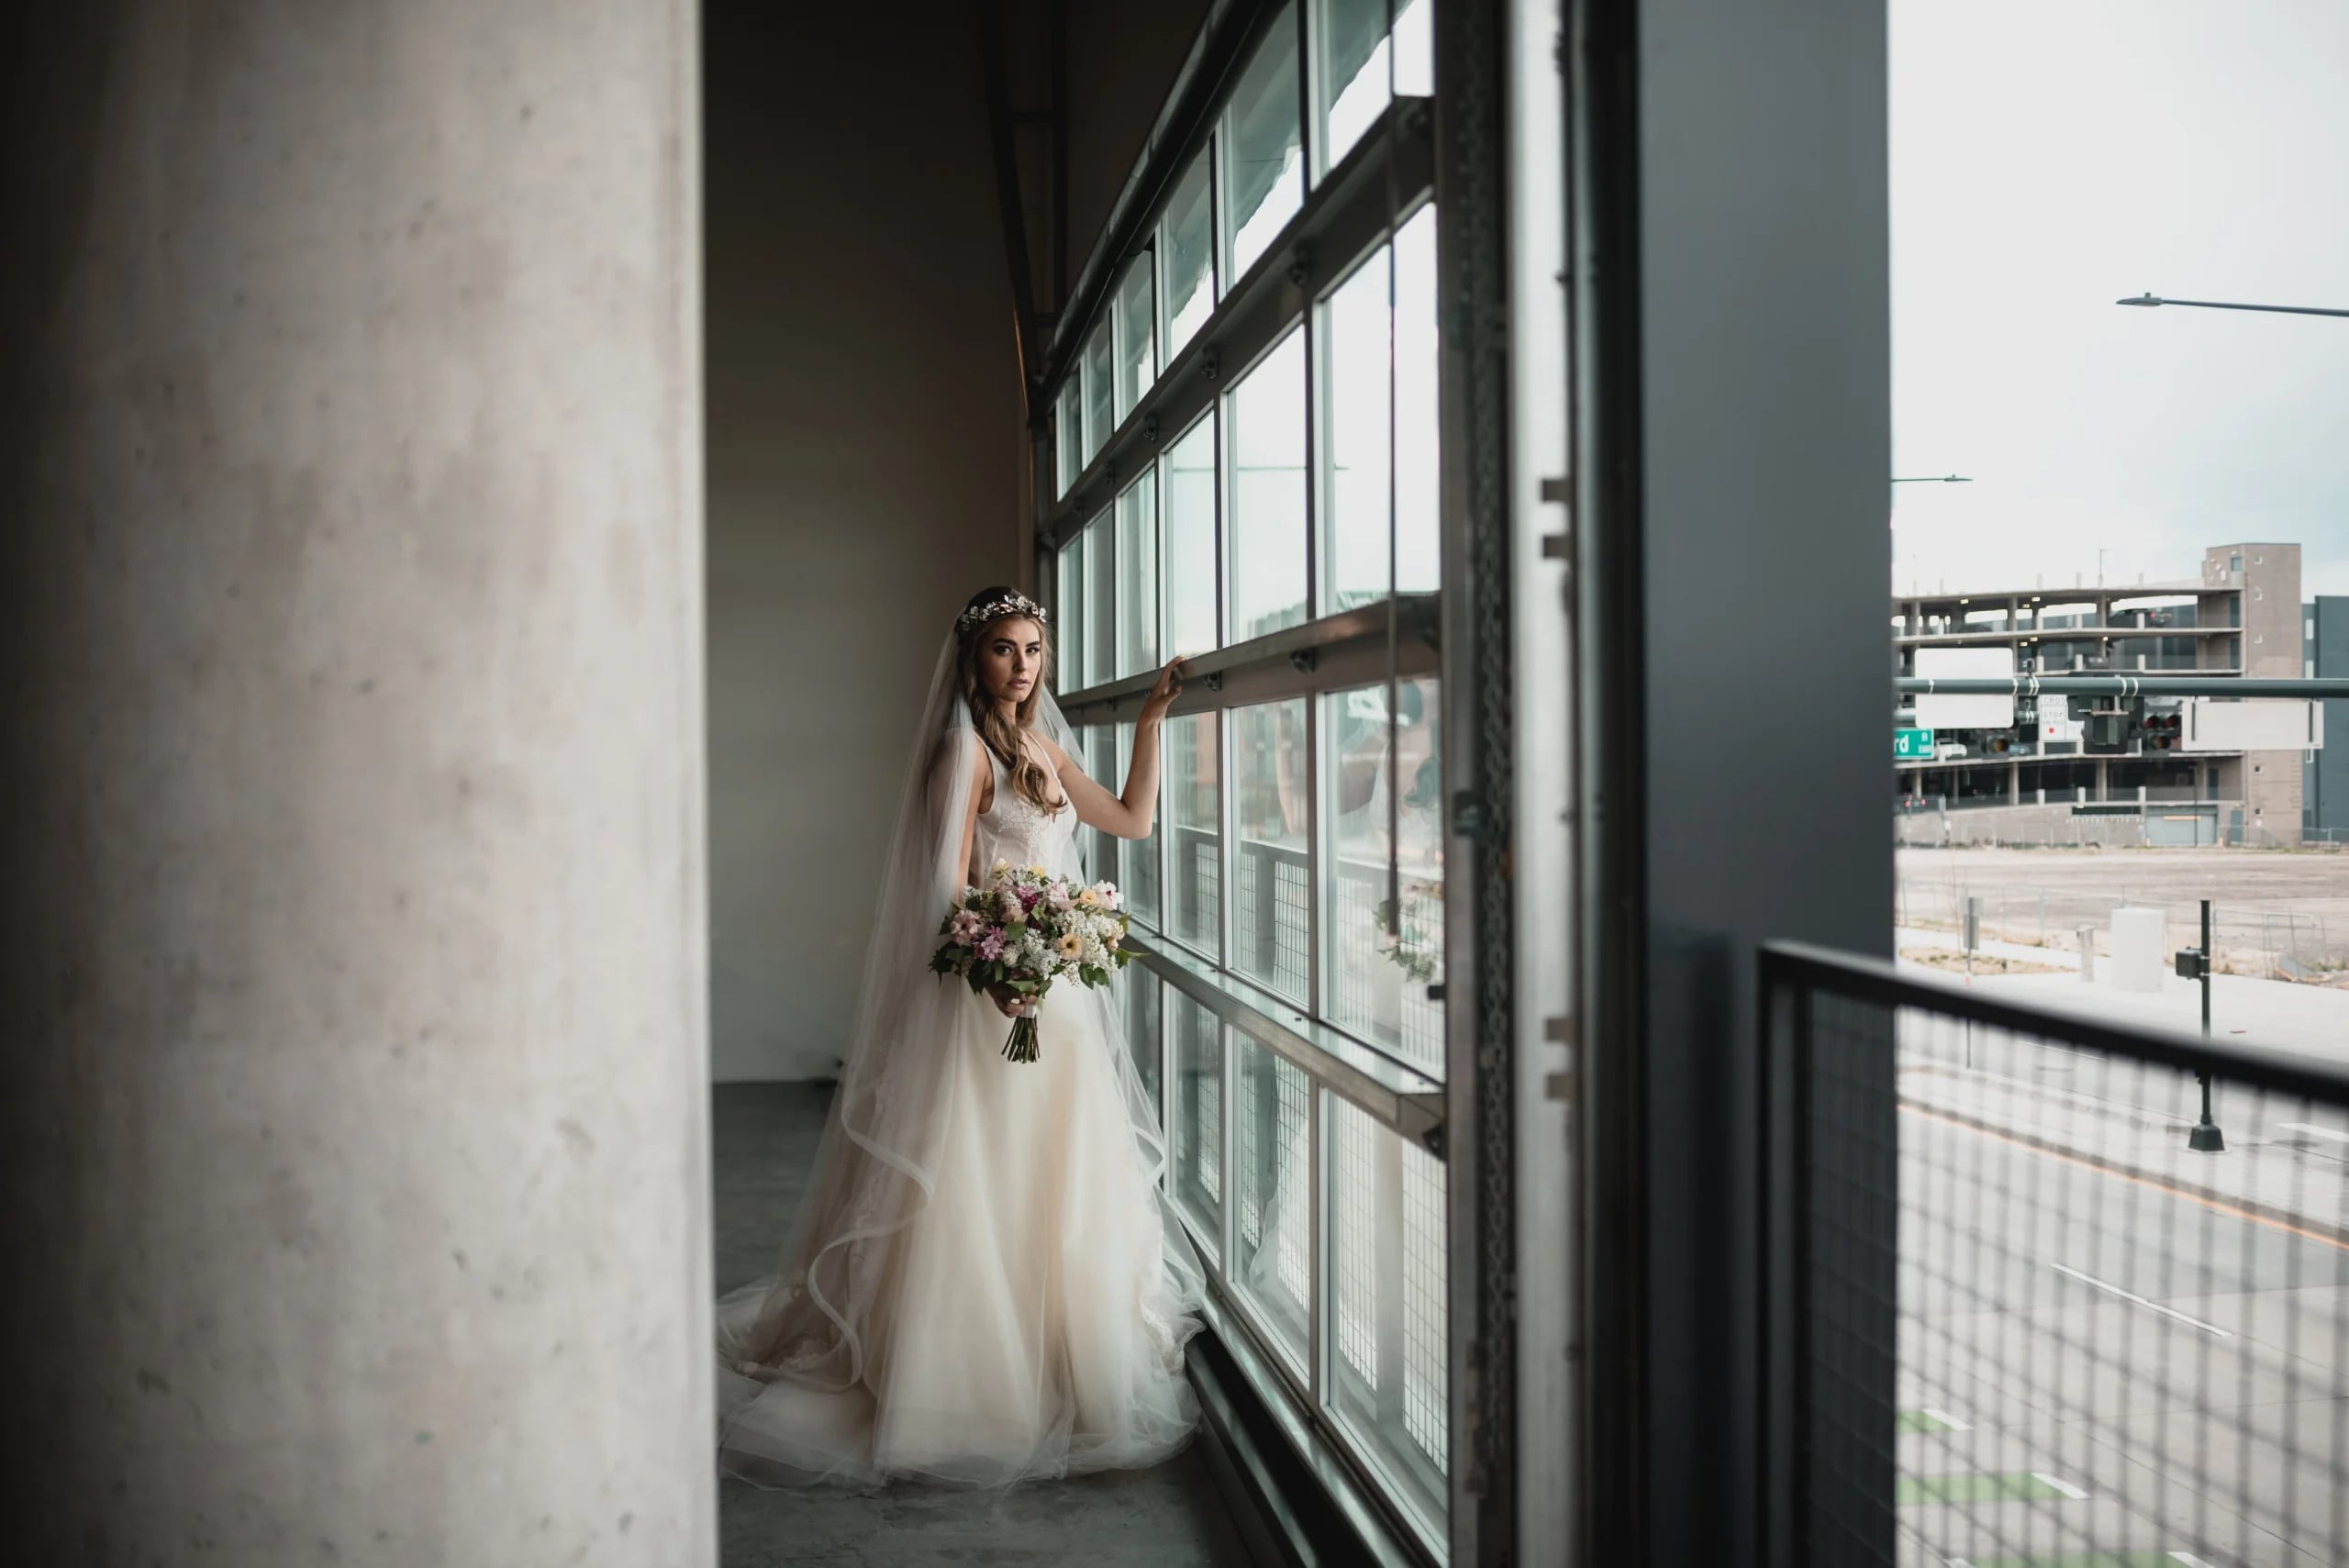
(764, 1136)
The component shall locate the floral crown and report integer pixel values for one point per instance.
(996, 609)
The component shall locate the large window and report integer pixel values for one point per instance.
(1290, 902)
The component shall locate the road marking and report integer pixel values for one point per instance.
(2060, 1485)
(2337, 1136)
(2133, 1295)
(2188, 1193)
(2189, 1560)
(1948, 1421)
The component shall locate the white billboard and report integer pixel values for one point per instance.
(2251, 724)
(1965, 713)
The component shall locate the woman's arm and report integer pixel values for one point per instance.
(1127, 815)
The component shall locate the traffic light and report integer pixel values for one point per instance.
(2164, 731)
(2107, 731)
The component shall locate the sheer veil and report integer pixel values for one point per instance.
(823, 1319)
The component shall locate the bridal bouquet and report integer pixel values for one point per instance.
(1026, 929)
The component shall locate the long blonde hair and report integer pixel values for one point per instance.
(1006, 737)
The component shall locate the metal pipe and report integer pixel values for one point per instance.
(2146, 685)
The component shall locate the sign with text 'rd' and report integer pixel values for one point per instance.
(1912, 745)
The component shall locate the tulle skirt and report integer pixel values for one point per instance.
(1027, 1322)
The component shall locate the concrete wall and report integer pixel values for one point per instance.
(2272, 645)
(865, 453)
(2326, 780)
(2034, 826)
(353, 1114)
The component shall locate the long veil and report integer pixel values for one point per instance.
(821, 1321)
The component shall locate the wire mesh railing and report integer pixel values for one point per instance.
(2015, 1318)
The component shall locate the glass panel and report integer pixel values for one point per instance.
(1068, 435)
(1387, 1321)
(1194, 833)
(1194, 1117)
(1137, 321)
(1414, 49)
(1186, 249)
(1263, 149)
(1190, 543)
(1068, 631)
(1272, 826)
(1268, 486)
(1271, 1193)
(1417, 477)
(1098, 375)
(1140, 861)
(1356, 498)
(1138, 576)
(1351, 78)
(1145, 1024)
(1101, 599)
(1100, 764)
(1383, 800)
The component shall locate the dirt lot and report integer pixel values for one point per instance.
(2269, 904)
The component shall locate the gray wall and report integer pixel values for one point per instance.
(865, 453)
(2328, 776)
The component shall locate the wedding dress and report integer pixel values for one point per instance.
(984, 1284)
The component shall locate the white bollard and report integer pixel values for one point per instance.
(2087, 953)
(2138, 937)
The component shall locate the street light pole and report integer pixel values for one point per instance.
(1935, 479)
(2150, 301)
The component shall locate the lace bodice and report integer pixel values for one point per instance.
(1015, 829)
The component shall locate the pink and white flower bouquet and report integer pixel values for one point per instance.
(1026, 929)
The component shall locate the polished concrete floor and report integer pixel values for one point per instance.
(764, 1135)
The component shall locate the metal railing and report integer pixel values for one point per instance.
(2013, 1317)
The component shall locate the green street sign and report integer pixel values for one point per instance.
(1912, 745)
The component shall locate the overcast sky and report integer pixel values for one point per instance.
(2051, 156)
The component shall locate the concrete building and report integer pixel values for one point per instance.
(2324, 772)
(2236, 618)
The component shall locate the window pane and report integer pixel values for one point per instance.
(1414, 49)
(1195, 1115)
(1357, 498)
(1138, 576)
(1271, 1193)
(1386, 1322)
(1271, 875)
(1145, 1026)
(1268, 483)
(1098, 420)
(1068, 635)
(1383, 797)
(1100, 764)
(1263, 149)
(1190, 543)
(1139, 861)
(1418, 477)
(1352, 76)
(1068, 435)
(1186, 249)
(1136, 316)
(1101, 599)
(1194, 834)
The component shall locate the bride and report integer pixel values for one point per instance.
(983, 1284)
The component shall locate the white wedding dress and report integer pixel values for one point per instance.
(985, 1286)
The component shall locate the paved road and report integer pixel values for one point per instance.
(2092, 1362)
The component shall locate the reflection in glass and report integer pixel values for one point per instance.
(1263, 149)
(1268, 486)
(1271, 1193)
(1138, 576)
(1100, 361)
(1387, 1315)
(1068, 628)
(1101, 596)
(1190, 543)
(1194, 833)
(1352, 79)
(1383, 800)
(1272, 831)
(1136, 323)
(1186, 249)
(1414, 49)
(1194, 1114)
(1418, 549)
(1140, 858)
(1356, 499)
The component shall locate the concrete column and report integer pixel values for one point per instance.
(353, 1110)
